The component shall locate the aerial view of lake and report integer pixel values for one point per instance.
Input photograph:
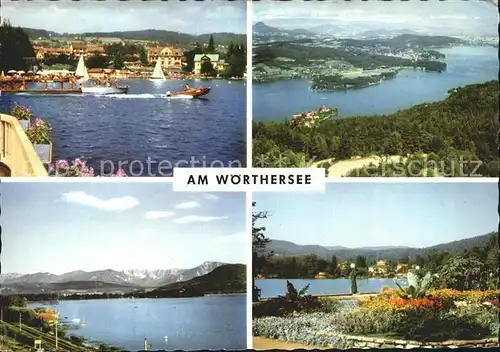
(278, 101)
(210, 322)
(131, 128)
(276, 287)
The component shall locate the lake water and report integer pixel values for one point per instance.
(145, 124)
(210, 322)
(276, 287)
(466, 65)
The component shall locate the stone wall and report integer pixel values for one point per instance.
(370, 342)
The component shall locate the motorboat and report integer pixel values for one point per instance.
(190, 92)
(99, 89)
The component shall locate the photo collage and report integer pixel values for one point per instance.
(249, 175)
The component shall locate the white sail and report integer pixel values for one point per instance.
(158, 72)
(81, 70)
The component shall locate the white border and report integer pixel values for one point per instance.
(248, 230)
(328, 180)
(399, 180)
(249, 195)
(249, 112)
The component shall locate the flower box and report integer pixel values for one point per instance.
(25, 124)
(44, 151)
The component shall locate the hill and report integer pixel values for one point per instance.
(62, 287)
(464, 126)
(288, 249)
(263, 29)
(229, 278)
(164, 37)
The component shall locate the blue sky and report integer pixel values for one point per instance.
(450, 17)
(193, 17)
(57, 228)
(383, 214)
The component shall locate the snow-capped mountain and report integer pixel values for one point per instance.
(145, 278)
(8, 276)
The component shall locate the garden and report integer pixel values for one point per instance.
(420, 315)
(38, 132)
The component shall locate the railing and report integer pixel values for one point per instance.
(18, 157)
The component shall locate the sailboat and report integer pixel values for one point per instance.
(81, 71)
(158, 71)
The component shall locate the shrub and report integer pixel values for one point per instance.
(422, 324)
(77, 340)
(277, 307)
(312, 329)
(368, 321)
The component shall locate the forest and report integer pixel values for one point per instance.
(462, 128)
(433, 260)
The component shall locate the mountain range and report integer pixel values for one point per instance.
(127, 278)
(262, 28)
(166, 37)
(288, 249)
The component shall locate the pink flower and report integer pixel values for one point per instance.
(87, 171)
(39, 122)
(77, 162)
(62, 164)
(120, 173)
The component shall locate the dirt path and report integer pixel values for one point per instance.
(342, 168)
(263, 343)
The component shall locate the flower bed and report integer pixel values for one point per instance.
(78, 168)
(430, 319)
(312, 329)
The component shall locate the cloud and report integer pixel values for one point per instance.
(146, 232)
(188, 205)
(158, 214)
(237, 237)
(195, 218)
(112, 204)
(209, 196)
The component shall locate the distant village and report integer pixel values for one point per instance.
(172, 58)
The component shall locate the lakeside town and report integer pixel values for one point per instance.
(125, 58)
(337, 62)
(40, 64)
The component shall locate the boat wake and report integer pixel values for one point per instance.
(130, 96)
(178, 97)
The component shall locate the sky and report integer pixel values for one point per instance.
(382, 214)
(62, 227)
(450, 17)
(65, 16)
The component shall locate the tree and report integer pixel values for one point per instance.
(15, 48)
(333, 266)
(419, 260)
(207, 68)
(463, 273)
(360, 262)
(211, 45)
(118, 61)
(259, 242)
(189, 58)
(237, 61)
(143, 56)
